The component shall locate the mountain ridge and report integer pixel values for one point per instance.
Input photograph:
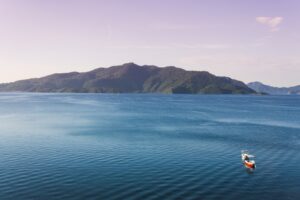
(131, 78)
(263, 88)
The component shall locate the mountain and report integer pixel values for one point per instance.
(132, 78)
(262, 88)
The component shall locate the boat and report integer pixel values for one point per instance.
(250, 164)
(247, 159)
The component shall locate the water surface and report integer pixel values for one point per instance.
(133, 146)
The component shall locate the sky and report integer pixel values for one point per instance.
(248, 40)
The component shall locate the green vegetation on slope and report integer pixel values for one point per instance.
(132, 78)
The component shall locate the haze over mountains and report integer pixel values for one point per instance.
(132, 78)
(262, 88)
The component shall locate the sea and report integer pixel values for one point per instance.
(148, 146)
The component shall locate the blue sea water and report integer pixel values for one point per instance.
(142, 146)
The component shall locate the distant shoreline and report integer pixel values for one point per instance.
(166, 94)
(132, 78)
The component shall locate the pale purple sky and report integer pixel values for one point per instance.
(249, 40)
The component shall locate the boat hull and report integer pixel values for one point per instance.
(249, 164)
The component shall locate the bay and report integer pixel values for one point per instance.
(148, 146)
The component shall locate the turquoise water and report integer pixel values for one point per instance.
(134, 146)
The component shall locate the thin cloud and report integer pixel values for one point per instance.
(173, 27)
(172, 46)
(271, 22)
(202, 46)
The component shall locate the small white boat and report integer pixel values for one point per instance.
(247, 159)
